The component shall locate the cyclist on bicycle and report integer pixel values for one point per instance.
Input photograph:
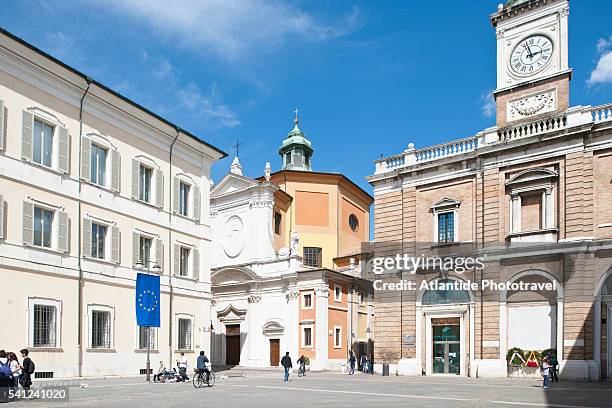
(201, 364)
(302, 363)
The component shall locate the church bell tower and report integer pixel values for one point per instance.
(296, 151)
(532, 59)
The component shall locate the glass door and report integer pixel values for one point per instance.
(446, 349)
(439, 358)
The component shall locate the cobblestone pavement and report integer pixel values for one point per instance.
(267, 389)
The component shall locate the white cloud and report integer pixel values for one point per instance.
(231, 28)
(602, 73)
(488, 104)
(209, 106)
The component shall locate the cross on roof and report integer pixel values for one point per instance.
(237, 146)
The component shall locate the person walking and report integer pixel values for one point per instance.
(6, 377)
(554, 370)
(27, 367)
(352, 361)
(546, 371)
(15, 369)
(286, 363)
(181, 363)
(364, 363)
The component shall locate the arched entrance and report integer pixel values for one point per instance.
(603, 327)
(532, 320)
(444, 328)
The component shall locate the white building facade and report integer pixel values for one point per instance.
(94, 187)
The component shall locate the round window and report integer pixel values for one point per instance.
(353, 222)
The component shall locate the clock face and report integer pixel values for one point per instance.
(531, 55)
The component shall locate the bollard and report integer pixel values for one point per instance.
(385, 370)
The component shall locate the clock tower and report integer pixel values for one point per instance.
(532, 59)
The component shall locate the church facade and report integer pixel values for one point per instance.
(531, 197)
(273, 281)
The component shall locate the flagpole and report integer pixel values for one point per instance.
(148, 354)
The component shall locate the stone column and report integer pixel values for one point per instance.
(321, 327)
(254, 333)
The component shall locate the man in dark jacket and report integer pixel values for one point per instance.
(27, 368)
(201, 364)
(286, 362)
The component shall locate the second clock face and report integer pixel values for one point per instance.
(531, 55)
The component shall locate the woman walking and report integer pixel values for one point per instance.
(15, 369)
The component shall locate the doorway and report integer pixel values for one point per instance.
(232, 344)
(274, 352)
(446, 346)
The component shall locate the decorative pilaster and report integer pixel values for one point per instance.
(321, 327)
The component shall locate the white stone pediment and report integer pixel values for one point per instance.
(445, 202)
(273, 327)
(532, 175)
(231, 183)
(232, 276)
(231, 314)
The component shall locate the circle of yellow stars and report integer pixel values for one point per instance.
(152, 303)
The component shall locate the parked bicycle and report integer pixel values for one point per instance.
(302, 370)
(200, 378)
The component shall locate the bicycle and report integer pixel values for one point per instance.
(199, 380)
(301, 370)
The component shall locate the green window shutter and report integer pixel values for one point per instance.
(177, 260)
(175, 195)
(159, 252)
(86, 238)
(63, 151)
(63, 231)
(2, 125)
(115, 170)
(28, 223)
(196, 263)
(159, 188)
(196, 202)
(135, 178)
(1, 216)
(135, 248)
(115, 245)
(86, 158)
(26, 135)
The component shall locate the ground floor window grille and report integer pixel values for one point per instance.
(184, 334)
(100, 329)
(44, 326)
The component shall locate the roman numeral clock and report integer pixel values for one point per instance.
(531, 55)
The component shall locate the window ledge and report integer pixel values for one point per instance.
(185, 278)
(155, 351)
(138, 200)
(46, 349)
(45, 249)
(534, 232)
(185, 217)
(445, 244)
(184, 351)
(103, 261)
(43, 167)
(100, 350)
(105, 188)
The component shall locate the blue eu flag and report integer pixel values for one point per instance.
(147, 300)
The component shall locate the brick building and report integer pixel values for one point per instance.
(531, 195)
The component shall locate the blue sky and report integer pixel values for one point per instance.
(368, 76)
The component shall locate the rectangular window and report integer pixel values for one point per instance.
(312, 257)
(308, 300)
(98, 240)
(44, 326)
(446, 227)
(100, 329)
(145, 184)
(287, 158)
(98, 165)
(307, 336)
(277, 222)
(184, 198)
(143, 338)
(184, 334)
(184, 262)
(337, 293)
(43, 227)
(42, 139)
(337, 337)
(145, 251)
